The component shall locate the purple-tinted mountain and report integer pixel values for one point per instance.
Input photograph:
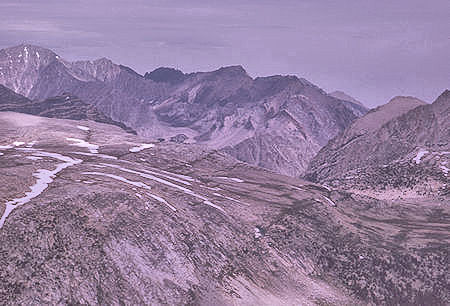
(277, 122)
(403, 145)
(65, 106)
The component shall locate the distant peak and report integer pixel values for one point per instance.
(129, 70)
(338, 94)
(166, 75)
(443, 99)
(29, 48)
(287, 77)
(232, 71)
(445, 94)
(103, 60)
(406, 99)
(236, 69)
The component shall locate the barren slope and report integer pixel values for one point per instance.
(112, 220)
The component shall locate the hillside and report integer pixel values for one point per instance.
(402, 147)
(124, 221)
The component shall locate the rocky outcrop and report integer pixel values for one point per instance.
(277, 122)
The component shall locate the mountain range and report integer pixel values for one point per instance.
(277, 122)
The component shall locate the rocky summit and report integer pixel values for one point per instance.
(277, 122)
(93, 215)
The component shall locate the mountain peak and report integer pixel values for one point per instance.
(102, 69)
(442, 103)
(21, 65)
(236, 70)
(406, 100)
(28, 50)
(376, 117)
(343, 96)
(443, 96)
(103, 60)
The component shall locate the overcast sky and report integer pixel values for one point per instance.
(373, 50)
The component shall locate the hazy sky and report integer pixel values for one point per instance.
(373, 50)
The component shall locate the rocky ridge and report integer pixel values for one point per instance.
(65, 106)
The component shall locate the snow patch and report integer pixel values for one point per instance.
(329, 201)
(234, 179)
(119, 178)
(99, 166)
(229, 198)
(83, 128)
(142, 147)
(31, 144)
(168, 176)
(33, 158)
(167, 183)
(81, 143)
(44, 178)
(161, 200)
(97, 155)
(257, 233)
(419, 155)
(184, 177)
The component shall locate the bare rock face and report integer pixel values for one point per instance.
(92, 215)
(277, 122)
(65, 106)
(403, 145)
